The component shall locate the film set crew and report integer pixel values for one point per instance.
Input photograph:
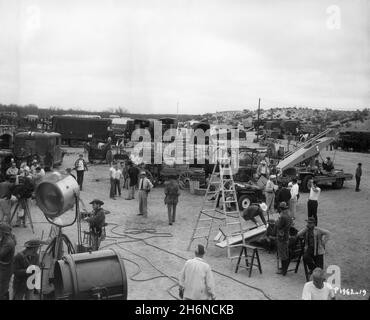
(318, 288)
(22, 260)
(294, 192)
(315, 242)
(172, 192)
(270, 189)
(196, 280)
(283, 195)
(144, 188)
(80, 166)
(328, 165)
(283, 225)
(313, 201)
(115, 174)
(358, 175)
(7, 250)
(253, 211)
(23, 191)
(263, 169)
(6, 198)
(96, 220)
(133, 173)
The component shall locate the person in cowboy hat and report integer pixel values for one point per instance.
(29, 256)
(283, 225)
(263, 169)
(315, 242)
(255, 210)
(96, 222)
(144, 188)
(7, 249)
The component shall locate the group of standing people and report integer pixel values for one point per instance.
(135, 178)
(18, 186)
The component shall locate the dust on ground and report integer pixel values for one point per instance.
(344, 212)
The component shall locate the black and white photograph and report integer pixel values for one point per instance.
(210, 150)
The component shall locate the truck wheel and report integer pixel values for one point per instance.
(305, 187)
(338, 184)
(244, 202)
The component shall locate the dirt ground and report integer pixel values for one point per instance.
(344, 212)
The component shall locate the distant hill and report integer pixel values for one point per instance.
(357, 125)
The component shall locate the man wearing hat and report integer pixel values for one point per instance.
(196, 279)
(7, 249)
(29, 256)
(283, 195)
(315, 241)
(283, 225)
(144, 188)
(253, 211)
(132, 173)
(96, 221)
(263, 169)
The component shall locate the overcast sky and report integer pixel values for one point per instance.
(208, 55)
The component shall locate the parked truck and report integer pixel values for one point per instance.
(76, 129)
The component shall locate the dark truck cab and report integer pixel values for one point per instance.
(44, 146)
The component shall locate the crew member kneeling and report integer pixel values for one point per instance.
(255, 210)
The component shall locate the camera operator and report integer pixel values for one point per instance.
(23, 191)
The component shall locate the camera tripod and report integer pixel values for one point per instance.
(23, 203)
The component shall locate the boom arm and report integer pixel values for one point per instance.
(305, 153)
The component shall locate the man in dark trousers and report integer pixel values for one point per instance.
(283, 225)
(315, 241)
(313, 201)
(7, 249)
(172, 192)
(283, 195)
(80, 167)
(29, 256)
(358, 176)
(96, 221)
(133, 173)
(253, 211)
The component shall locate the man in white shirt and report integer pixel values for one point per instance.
(312, 203)
(80, 167)
(144, 188)
(318, 288)
(293, 199)
(270, 194)
(196, 279)
(115, 176)
(263, 169)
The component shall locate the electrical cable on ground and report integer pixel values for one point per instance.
(128, 234)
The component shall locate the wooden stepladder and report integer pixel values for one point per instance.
(220, 191)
